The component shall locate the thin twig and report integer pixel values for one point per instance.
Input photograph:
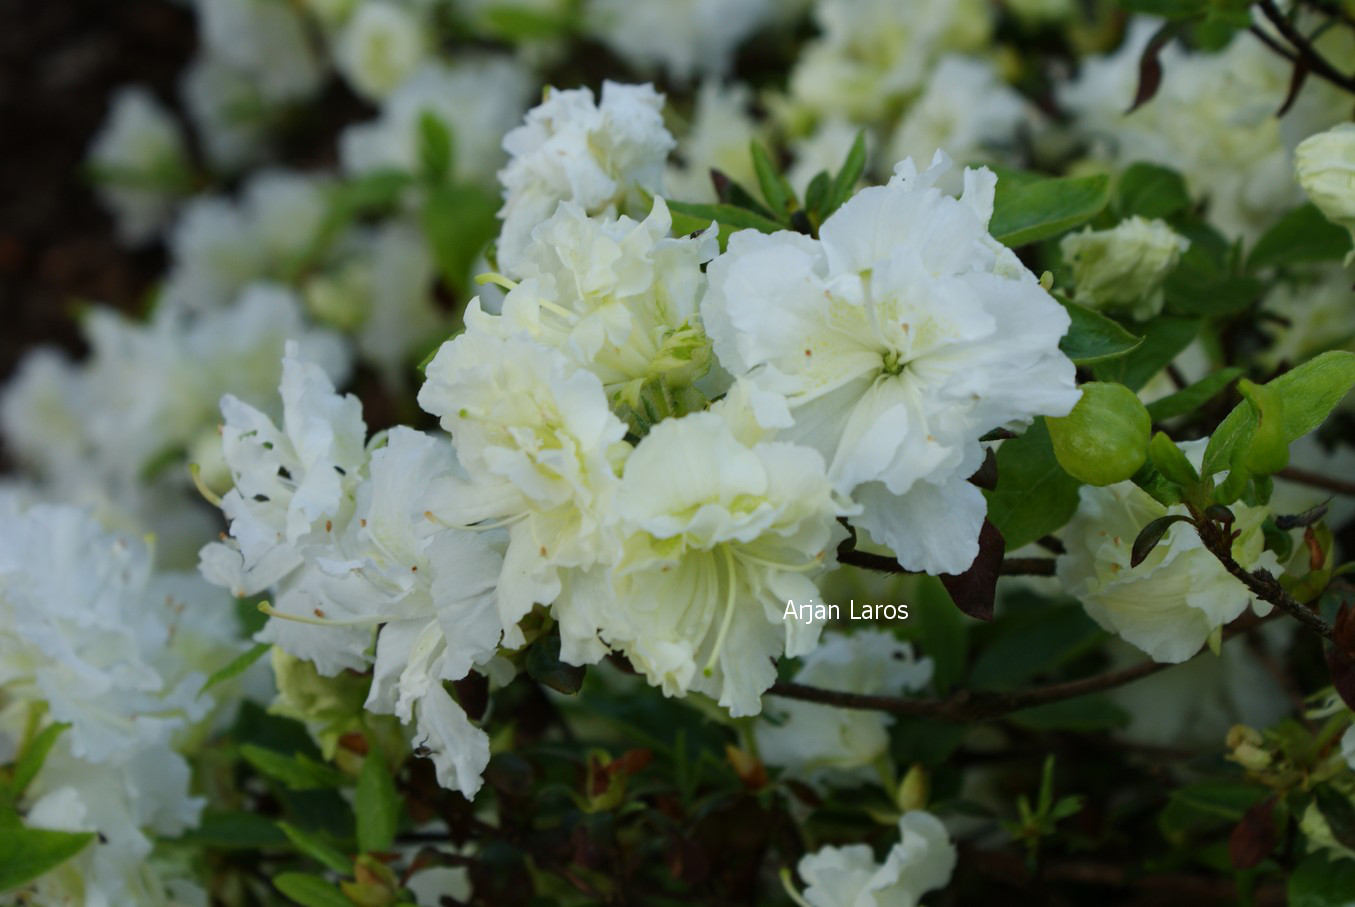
(1318, 65)
(1262, 584)
(965, 706)
(1316, 480)
(883, 563)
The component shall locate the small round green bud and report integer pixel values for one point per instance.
(1104, 439)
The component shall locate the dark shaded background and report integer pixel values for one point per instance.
(60, 62)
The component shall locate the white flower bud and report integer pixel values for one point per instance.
(1325, 164)
(1124, 267)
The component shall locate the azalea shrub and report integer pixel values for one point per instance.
(841, 453)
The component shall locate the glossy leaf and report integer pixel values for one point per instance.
(1025, 212)
(26, 853)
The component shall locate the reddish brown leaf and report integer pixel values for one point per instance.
(1342, 667)
(1150, 66)
(986, 476)
(1254, 837)
(1296, 80)
(974, 590)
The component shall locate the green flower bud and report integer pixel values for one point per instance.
(1123, 269)
(1104, 439)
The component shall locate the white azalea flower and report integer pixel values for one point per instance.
(1325, 164)
(711, 556)
(542, 451)
(570, 148)
(922, 861)
(617, 297)
(1124, 267)
(381, 44)
(1170, 603)
(828, 744)
(477, 100)
(895, 341)
(229, 114)
(140, 164)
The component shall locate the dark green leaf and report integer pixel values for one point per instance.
(1092, 337)
(522, 22)
(315, 847)
(1339, 812)
(1189, 399)
(1147, 190)
(725, 215)
(817, 192)
(1320, 881)
(1150, 535)
(310, 891)
(435, 149)
(236, 666)
(26, 853)
(1167, 9)
(376, 804)
(1032, 642)
(1034, 496)
(1024, 212)
(298, 772)
(846, 179)
(234, 830)
(544, 665)
(1207, 806)
(33, 756)
(1086, 713)
(1303, 235)
(1203, 284)
(776, 189)
(458, 222)
(1163, 338)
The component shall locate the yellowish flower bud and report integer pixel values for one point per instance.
(1325, 164)
(1124, 268)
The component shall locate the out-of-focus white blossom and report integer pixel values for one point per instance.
(265, 40)
(1171, 602)
(139, 164)
(823, 150)
(1124, 267)
(1326, 170)
(922, 861)
(874, 54)
(1212, 119)
(476, 100)
(718, 138)
(831, 745)
(891, 344)
(571, 148)
(233, 120)
(684, 37)
(965, 109)
(1318, 312)
(382, 43)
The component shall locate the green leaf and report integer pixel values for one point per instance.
(1034, 496)
(26, 853)
(1204, 807)
(1322, 882)
(1267, 451)
(1085, 713)
(1163, 338)
(1149, 537)
(1025, 212)
(846, 179)
(237, 666)
(310, 891)
(1303, 235)
(1189, 399)
(544, 666)
(776, 189)
(1203, 283)
(228, 830)
(1148, 190)
(435, 149)
(1030, 640)
(521, 22)
(297, 772)
(376, 804)
(1339, 812)
(817, 192)
(725, 215)
(1310, 392)
(32, 757)
(1092, 337)
(941, 631)
(1171, 461)
(458, 222)
(1167, 9)
(313, 846)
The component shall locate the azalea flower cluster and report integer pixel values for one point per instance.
(583, 414)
